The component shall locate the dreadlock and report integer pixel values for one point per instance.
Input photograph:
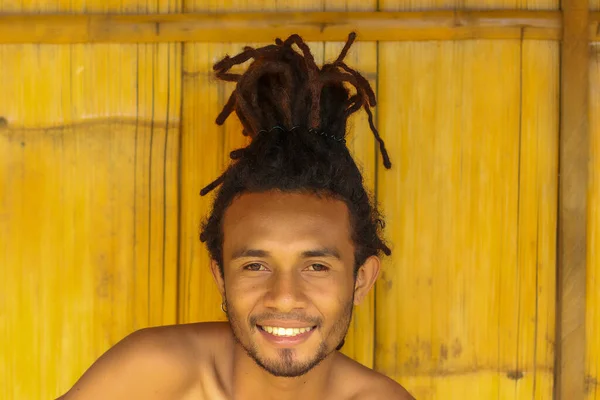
(296, 115)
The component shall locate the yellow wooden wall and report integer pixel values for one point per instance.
(89, 159)
(104, 148)
(466, 306)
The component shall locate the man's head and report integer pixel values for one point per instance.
(288, 262)
(293, 234)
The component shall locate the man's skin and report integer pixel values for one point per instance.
(288, 262)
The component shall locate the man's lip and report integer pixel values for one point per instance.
(287, 324)
(286, 341)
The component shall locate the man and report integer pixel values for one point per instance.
(294, 242)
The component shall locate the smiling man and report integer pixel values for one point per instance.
(294, 240)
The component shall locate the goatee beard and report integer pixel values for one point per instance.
(285, 365)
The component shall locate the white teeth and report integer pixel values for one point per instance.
(289, 332)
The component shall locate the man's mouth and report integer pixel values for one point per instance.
(285, 332)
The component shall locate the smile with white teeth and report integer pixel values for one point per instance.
(288, 332)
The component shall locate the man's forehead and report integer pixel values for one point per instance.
(284, 216)
(288, 205)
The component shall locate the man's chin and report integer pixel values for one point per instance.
(293, 361)
(288, 362)
(284, 369)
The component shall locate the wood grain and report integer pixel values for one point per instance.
(312, 25)
(592, 320)
(572, 202)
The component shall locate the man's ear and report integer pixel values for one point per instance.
(216, 272)
(365, 278)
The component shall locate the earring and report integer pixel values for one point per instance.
(223, 307)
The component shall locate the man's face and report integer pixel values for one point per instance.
(288, 278)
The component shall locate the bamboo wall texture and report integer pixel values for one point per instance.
(472, 214)
(104, 148)
(88, 204)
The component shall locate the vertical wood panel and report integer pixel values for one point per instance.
(592, 316)
(202, 160)
(465, 308)
(592, 357)
(89, 144)
(572, 201)
(538, 189)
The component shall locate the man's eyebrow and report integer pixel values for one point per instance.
(241, 253)
(321, 252)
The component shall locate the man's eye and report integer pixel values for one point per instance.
(318, 268)
(255, 267)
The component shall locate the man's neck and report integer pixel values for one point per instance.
(252, 382)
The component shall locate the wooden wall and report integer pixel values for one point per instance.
(104, 148)
(472, 216)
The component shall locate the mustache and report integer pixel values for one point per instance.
(254, 319)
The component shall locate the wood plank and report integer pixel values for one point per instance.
(203, 159)
(258, 27)
(535, 269)
(592, 320)
(572, 202)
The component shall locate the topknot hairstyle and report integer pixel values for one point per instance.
(296, 115)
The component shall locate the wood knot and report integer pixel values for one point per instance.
(514, 375)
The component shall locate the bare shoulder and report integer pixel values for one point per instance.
(368, 384)
(381, 387)
(152, 363)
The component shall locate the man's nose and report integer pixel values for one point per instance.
(285, 292)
